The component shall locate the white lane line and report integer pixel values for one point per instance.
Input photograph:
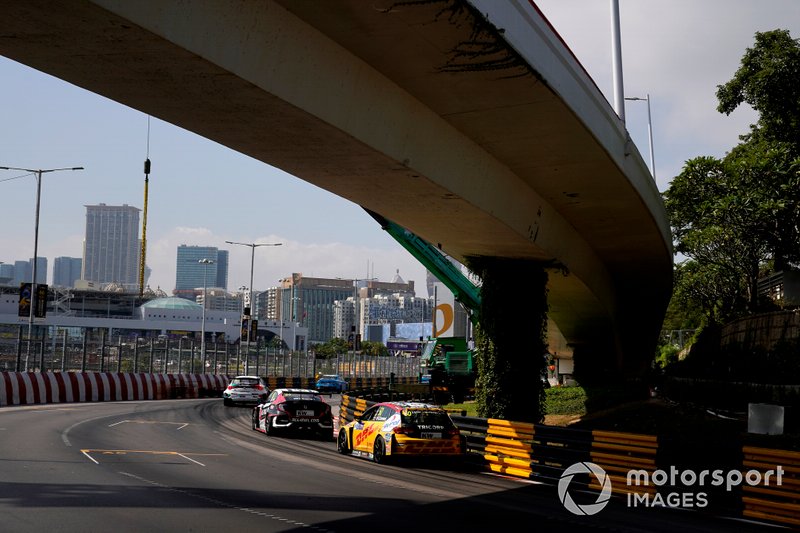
(183, 426)
(90, 457)
(117, 423)
(190, 459)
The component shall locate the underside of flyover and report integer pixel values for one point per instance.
(488, 140)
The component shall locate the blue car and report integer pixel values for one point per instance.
(331, 383)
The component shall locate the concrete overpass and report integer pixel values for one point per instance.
(470, 123)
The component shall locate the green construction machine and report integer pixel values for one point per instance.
(447, 363)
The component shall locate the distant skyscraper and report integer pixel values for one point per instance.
(22, 272)
(66, 270)
(111, 246)
(6, 274)
(222, 269)
(189, 272)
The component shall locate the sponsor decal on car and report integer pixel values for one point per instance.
(365, 434)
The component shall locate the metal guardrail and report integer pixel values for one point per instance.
(776, 503)
(542, 453)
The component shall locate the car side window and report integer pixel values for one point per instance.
(369, 414)
(384, 413)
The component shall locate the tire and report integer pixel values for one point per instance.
(342, 444)
(254, 419)
(269, 428)
(226, 402)
(379, 451)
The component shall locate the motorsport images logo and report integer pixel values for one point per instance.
(602, 479)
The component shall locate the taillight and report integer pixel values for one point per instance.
(260, 387)
(230, 387)
(403, 430)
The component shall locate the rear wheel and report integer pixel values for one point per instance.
(342, 445)
(254, 419)
(269, 428)
(379, 451)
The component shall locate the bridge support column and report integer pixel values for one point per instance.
(510, 341)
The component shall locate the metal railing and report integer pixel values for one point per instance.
(94, 351)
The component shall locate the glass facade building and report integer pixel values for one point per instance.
(66, 270)
(190, 273)
(111, 246)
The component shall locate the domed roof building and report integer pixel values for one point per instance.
(171, 302)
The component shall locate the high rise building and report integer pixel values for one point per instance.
(111, 246)
(190, 273)
(313, 302)
(222, 269)
(66, 270)
(23, 271)
(6, 274)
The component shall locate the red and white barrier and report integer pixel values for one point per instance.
(25, 388)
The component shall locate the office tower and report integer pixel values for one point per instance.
(190, 273)
(66, 270)
(6, 274)
(22, 273)
(111, 246)
(222, 269)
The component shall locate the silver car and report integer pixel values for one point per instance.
(245, 390)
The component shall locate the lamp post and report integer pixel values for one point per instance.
(38, 173)
(649, 131)
(294, 322)
(253, 246)
(356, 318)
(205, 263)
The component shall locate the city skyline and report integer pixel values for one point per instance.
(203, 194)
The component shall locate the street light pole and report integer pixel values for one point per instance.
(205, 263)
(253, 247)
(38, 173)
(649, 132)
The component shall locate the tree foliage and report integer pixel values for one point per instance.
(736, 218)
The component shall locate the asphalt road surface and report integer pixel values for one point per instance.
(195, 465)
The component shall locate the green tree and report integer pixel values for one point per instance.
(332, 348)
(739, 217)
(374, 348)
(767, 80)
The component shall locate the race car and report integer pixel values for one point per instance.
(294, 410)
(393, 429)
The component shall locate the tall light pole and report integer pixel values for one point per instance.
(616, 60)
(253, 246)
(294, 321)
(205, 263)
(38, 173)
(356, 318)
(649, 131)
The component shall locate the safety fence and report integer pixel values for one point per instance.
(726, 479)
(94, 351)
(28, 388)
(779, 503)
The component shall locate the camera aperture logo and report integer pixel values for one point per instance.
(671, 487)
(602, 479)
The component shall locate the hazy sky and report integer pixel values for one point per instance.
(201, 193)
